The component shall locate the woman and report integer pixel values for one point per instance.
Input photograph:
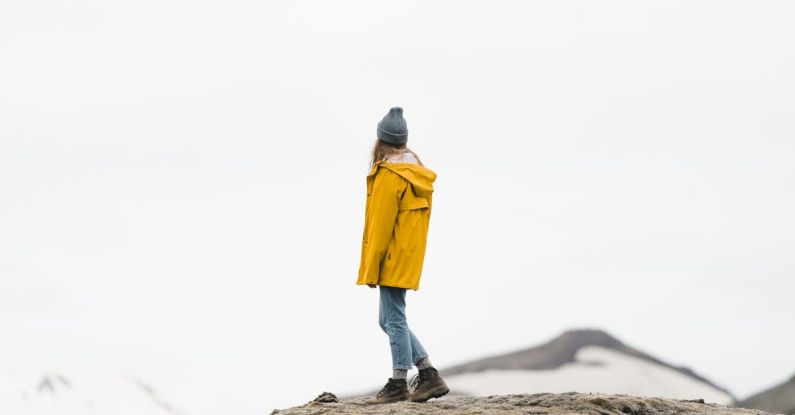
(397, 214)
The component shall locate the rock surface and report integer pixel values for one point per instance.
(570, 403)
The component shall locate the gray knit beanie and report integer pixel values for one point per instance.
(392, 128)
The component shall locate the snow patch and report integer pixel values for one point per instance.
(29, 390)
(596, 370)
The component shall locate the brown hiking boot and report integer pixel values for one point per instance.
(428, 384)
(394, 390)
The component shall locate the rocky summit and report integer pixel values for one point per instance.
(569, 403)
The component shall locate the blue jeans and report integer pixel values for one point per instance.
(406, 349)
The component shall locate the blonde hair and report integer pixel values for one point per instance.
(382, 150)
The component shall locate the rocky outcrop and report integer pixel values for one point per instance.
(570, 403)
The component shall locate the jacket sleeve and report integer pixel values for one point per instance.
(388, 188)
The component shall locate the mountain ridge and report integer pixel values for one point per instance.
(780, 398)
(34, 389)
(561, 350)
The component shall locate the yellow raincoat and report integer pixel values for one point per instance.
(396, 219)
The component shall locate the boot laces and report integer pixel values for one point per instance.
(384, 390)
(390, 385)
(415, 381)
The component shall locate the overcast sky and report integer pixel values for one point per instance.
(182, 186)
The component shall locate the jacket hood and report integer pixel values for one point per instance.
(420, 177)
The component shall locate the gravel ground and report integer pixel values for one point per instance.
(522, 404)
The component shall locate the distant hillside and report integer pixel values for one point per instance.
(563, 350)
(778, 399)
(28, 390)
(582, 361)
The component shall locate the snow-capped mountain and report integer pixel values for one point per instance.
(29, 390)
(581, 361)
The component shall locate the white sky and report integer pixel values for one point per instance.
(183, 186)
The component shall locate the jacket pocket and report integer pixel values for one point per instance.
(413, 203)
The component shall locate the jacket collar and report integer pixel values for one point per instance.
(375, 167)
(420, 177)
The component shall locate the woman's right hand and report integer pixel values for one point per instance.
(371, 285)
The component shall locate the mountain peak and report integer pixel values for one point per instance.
(572, 349)
(49, 384)
(577, 338)
(40, 390)
(550, 355)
